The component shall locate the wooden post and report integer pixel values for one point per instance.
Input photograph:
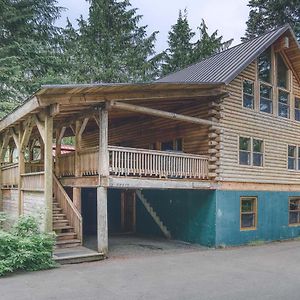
(77, 191)
(48, 180)
(102, 228)
(21, 170)
(57, 151)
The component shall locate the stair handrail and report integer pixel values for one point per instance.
(71, 204)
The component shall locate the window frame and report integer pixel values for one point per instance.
(253, 93)
(252, 151)
(296, 109)
(255, 198)
(280, 103)
(271, 99)
(296, 157)
(288, 79)
(289, 211)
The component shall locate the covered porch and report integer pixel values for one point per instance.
(157, 136)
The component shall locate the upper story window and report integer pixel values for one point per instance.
(297, 109)
(266, 103)
(265, 66)
(282, 73)
(251, 151)
(172, 145)
(248, 94)
(292, 157)
(283, 104)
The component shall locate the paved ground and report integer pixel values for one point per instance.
(262, 272)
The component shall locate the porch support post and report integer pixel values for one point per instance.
(48, 180)
(77, 191)
(21, 170)
(102, 229)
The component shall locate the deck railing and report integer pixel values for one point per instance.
(32, 181)
(10, 173)
(138, 162)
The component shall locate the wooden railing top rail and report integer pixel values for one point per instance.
(62, 190)
(9, 166)
(33, 174)
(145, 151)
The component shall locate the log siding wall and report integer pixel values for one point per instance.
(142, 133)
(276, 132)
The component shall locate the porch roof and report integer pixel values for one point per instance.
(67, 101)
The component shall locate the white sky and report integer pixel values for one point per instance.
(228, 16)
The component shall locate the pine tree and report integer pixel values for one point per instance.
(266, 15)
(208, 44)
(111, 46)
(29, 51)
(180, 50)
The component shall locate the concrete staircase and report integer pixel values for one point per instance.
(153, 214)
(66, 235)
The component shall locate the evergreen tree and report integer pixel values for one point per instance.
(180, 50)
(208, 44)
(111, 46)
(266, 15)
(29, 51)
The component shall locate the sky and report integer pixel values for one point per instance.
(228, 16)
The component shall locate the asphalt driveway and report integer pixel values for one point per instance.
(262, 272)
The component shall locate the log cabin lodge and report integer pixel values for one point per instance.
(207, 155)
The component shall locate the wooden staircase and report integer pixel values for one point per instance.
(153, 214)
(66, 236)
(67, 221)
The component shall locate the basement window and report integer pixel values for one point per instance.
(248, 94)
(248, 213)
(294, 211)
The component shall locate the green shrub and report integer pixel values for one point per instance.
(26, 248)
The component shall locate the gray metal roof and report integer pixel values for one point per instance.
(225, 66)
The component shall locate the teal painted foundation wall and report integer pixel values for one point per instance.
(272, 217)
(188, 215)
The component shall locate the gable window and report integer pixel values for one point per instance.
(264, 66)
(251, 152)
(292, 157)
(248, 213)
(266, 103)
(297, 109)
(294, 211)
(283, 104)
(282, 73)
(248, 94)
(245, 151)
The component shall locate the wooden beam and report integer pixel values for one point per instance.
(5, 143)
(26, 135)
(102, 228)
(83, 126)
(21, 170)
(161, 114)
(54, 109)
(48, 178)
(15, 137)
(41, 126)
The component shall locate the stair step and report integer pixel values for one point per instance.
(62, 227)
(66, 236)
(67, 243)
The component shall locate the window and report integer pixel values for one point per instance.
(251, 152)
(283, 104)
(248, 213)
(294, 211)
(245, 151)
(282, 73)
(172, 145)
(258, 153)
(297, 109)
(264, 66)
(248, 94)
(292, 157)
(266, 104)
